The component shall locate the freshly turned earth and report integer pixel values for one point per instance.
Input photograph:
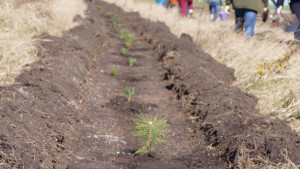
(68, 111)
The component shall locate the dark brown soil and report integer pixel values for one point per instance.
(67, 111)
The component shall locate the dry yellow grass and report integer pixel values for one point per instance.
(21, 24)
(259, 63)
(246, 162)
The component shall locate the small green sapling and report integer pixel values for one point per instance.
(124, 51)
(129, 92)
(150, 130)
(114, 71)
(132, 61)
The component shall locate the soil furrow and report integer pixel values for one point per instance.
(223, 114)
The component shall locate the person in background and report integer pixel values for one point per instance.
(186, 7)
(295, 8)
(171, 3)
(275, 4)
(246, 12)
(214, 8)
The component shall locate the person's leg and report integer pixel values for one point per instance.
(250, 19)
(179, 8)
(296, 10)
(211, 14)
(182, 7)
(190, 5)
(239, 19)
(216, 11)
(186, 8)
(275, 4)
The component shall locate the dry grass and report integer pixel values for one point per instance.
(246, 162)
(259, 62)
(20, 24)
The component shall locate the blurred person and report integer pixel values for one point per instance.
(295, 8)
(275, 3)
(246, 12)
(186, 7)
(171, 3)
(214, 8)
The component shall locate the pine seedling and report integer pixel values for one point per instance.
(124, 51)
(150, 130)
(129, 40)
(114, 71)
(122, 34)
(132, 61)
(100, 9)
(129, 92)
(114, 23)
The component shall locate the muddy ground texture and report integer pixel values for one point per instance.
(68, 111)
